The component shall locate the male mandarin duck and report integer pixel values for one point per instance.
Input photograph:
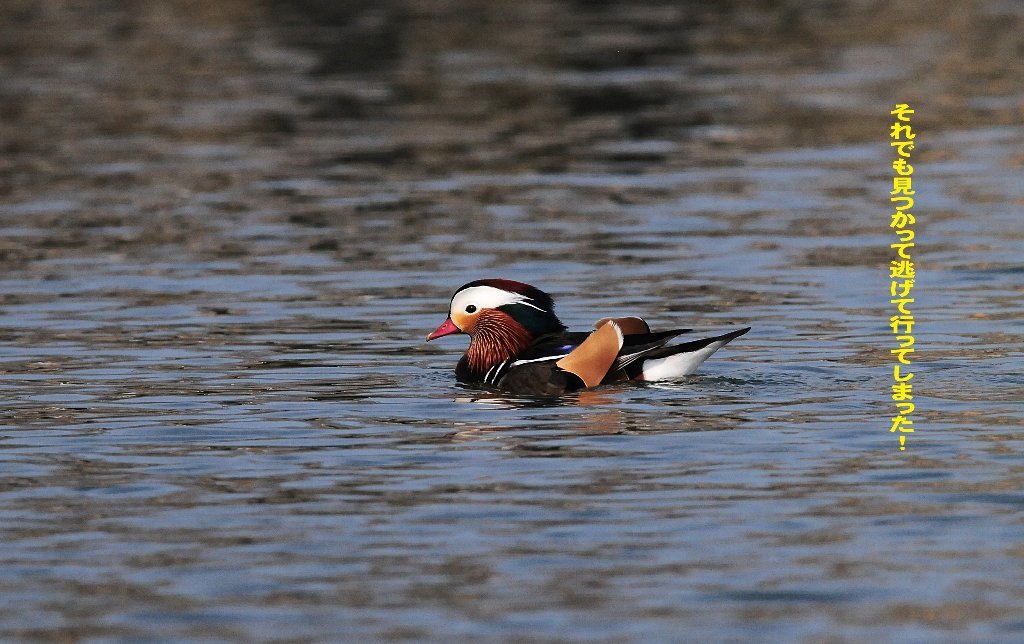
(518, 344)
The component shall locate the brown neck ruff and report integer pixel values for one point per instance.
(495, 338)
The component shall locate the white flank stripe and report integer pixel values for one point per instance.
(519, 362)
(681, 364)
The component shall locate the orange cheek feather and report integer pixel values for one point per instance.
(465, 322)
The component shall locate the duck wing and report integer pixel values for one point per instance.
(665, 362)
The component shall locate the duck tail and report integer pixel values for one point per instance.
(680, 359)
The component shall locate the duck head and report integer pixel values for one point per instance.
(484, 305)
(502, 317)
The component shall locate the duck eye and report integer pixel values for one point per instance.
(471, 308)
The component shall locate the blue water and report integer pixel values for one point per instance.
(222, 422)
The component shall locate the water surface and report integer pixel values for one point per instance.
(222, 422)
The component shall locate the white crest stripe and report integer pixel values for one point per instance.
(489, 297)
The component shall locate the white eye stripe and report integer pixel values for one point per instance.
(488, 297)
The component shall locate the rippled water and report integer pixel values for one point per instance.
(222, 422)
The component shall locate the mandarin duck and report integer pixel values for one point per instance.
(517, 344)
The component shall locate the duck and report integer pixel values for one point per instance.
(519, 346)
